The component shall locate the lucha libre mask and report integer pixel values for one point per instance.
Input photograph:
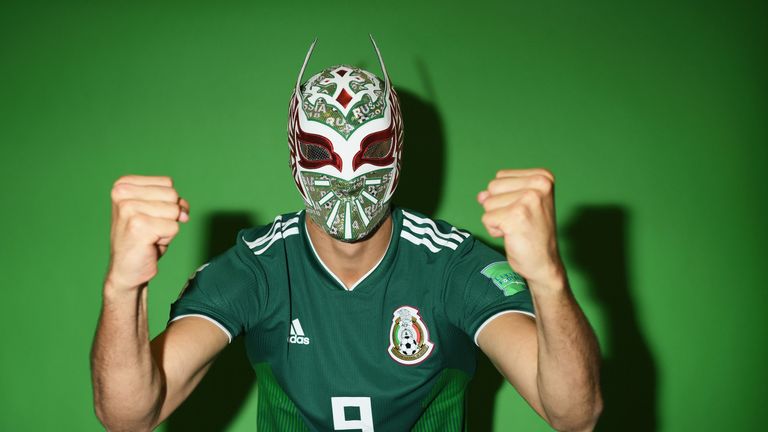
(345, 136)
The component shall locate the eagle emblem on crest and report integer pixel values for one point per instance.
(409, 342)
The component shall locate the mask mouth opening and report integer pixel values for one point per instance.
(348, 193)
(350, 189)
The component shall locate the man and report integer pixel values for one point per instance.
(357, 316)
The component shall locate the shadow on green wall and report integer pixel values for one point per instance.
(421, 180)
(421, 189)
(481, 395)
(597, 246)
(223, 391)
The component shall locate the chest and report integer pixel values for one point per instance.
(386, 342)
(393, 327)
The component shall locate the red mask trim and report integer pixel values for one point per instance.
(319, 140)
(371, 139)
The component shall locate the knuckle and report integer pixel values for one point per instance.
(119, 191)
(152, 273)
(517, 212)
(542, 183)
(547, 173)
(168, 179)
(493, 186)
(488, 204)
(530, 196)
(137, 223)
(173, 195)
(126, 207)
(120, 180)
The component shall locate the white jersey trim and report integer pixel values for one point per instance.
(333, 275)
(263, 239)
(218, 324)
(455, 234)
(278, 230)
(429, 232)
(488, 321)
(278, 235)
(419, 241)
(430, 236)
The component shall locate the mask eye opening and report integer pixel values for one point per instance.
(313, 152)
(316, 151)
(378, 149)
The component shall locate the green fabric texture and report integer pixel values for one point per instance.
(396, 351)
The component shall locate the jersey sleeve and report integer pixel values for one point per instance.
(224, 291)
(481, 285)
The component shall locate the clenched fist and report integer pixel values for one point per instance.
(519, 206)
(146, 212)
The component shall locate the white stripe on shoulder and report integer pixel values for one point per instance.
(460, 232)
(276, 224)
(278, 230)
(448, 236)
(205, 317)
(429, 232)
(488, 321)
(278, 235)
(290, 222)
(419, 241)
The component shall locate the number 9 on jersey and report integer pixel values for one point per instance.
(364, 421)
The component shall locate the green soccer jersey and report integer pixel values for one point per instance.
(395, 352)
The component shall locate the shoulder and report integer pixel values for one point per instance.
(261, 240)
(441, 242)
(252, 247)
(431, 236)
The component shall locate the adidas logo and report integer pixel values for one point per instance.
(297, 334)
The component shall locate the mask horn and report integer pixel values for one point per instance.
(381, 62)
(303, 67)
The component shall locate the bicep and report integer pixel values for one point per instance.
(511, 344)
(183, 353)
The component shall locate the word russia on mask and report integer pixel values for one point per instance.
(345, 135)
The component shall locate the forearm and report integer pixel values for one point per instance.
(128, 386)
(568, 358)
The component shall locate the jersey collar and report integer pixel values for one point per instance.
(380, 266)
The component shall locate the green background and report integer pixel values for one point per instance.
(651, 114)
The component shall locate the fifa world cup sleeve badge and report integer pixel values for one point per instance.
(409, 342)
(505, 279)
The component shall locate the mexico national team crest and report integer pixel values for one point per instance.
(409, 342)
